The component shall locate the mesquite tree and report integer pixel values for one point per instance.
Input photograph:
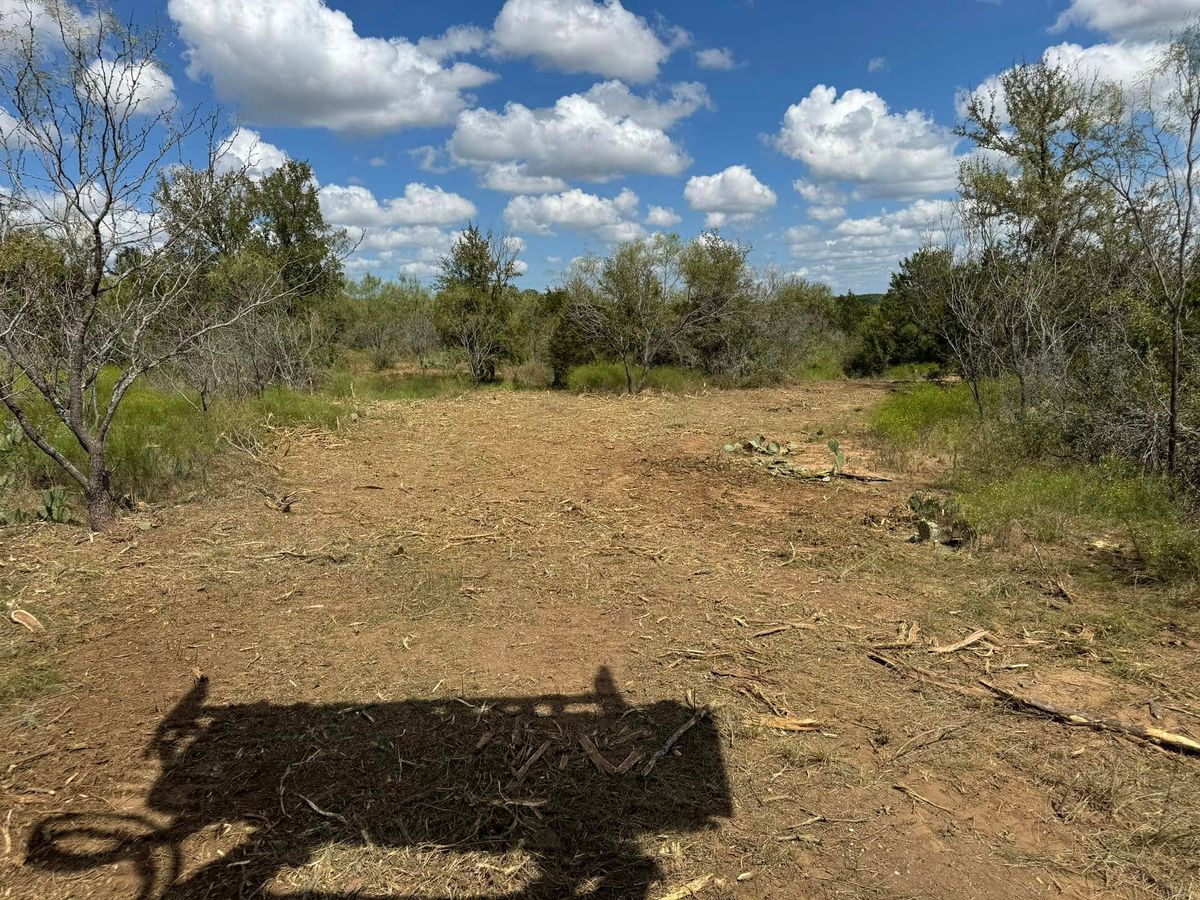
(95, 288)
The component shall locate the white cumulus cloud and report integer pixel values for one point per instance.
(732, 195)
(581, 36)
(298, 62)
(1129, 18)
(611, 219)
(856, 138)
(246, 150)
(662, 217)
(420, 205)
(596, 136)
(716, 58)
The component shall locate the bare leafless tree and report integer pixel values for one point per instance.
(95, 290)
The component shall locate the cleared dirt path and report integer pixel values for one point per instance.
(404, 677)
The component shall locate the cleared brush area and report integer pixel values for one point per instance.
(548, 645)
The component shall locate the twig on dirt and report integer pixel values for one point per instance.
(457, 540)
(918, 674)
(909, 792)
(280, 503)
(743, 673)
(322, 812)
(529, 763)
(673, 739)
(688, 890)
(786, 723)
(973, 638)
(906, 636)
(811, 839)
(597, 758)
(787, 626)
(941, 734)
(1161, 738)
(754, 692)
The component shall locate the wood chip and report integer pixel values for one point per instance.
(973, 638)
(26, 618)
(597, 758)
(688, 890)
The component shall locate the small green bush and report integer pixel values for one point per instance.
(597, 378)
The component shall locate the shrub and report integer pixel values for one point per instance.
(597, 378)
(609, 378)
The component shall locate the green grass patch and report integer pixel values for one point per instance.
(1053, 502)
(609, 378)
(928, 411)
(161, 438)
(397, 385)
(1007, 487)
(25, 675)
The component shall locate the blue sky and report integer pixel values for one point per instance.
(817, 133)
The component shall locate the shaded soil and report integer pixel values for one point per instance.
(395, 689)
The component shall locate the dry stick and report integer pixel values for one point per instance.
(776, 629)
(679, 732)
(909, 792)
(970, 639)
(918, 674)
(597, 758)
(524, 770)
(1166, 739)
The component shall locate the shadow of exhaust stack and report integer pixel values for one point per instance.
(574, 781)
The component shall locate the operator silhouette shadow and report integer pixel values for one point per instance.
(571, 780)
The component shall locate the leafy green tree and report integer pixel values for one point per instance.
(293, 230)
(473, 307)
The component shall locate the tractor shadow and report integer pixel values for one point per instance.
(573, 781)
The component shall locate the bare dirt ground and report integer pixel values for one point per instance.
(452, 668)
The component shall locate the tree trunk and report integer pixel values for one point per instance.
(97, 496)
(1173, 423)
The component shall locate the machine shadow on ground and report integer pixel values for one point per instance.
(574, 781)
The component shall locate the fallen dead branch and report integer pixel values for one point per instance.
(918, 674)
(910, 793)
(673, 739)
(785, 723)
(973, 638)
(787, 626)
(1166, 739)
(602, 765)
